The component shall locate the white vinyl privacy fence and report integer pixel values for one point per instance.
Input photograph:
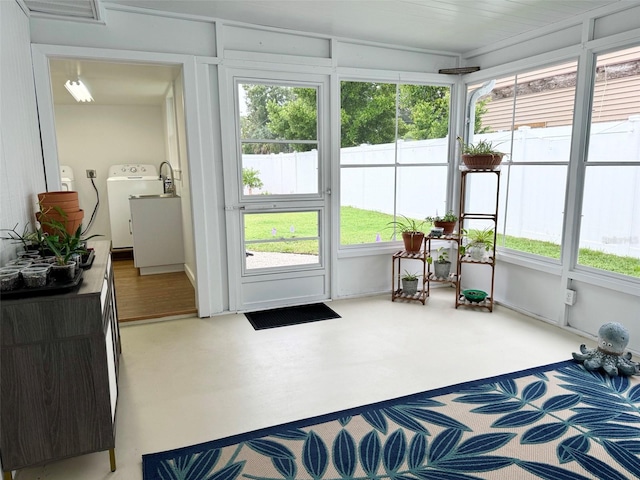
(536, 193)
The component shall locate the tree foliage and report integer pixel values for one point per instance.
(370, 113)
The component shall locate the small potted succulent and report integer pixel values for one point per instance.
(442, 265)
(409, 283)
(67, 249)
(447, 222)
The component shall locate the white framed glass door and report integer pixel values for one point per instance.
(277, 214)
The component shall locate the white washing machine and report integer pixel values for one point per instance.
(122, 182)
(67, 179)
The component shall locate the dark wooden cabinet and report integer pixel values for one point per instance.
(59, 359)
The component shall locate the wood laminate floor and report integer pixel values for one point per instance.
(140, 297)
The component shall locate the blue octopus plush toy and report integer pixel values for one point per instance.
(610, 356)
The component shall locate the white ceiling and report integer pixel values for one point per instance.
(444, 25)
(439, 25)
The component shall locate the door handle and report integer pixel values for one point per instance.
(130, 227)
(250, 207)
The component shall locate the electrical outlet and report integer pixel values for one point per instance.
(570, 297)
(91, 174)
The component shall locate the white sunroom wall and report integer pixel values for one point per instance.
(212, 45)
(535, 287)
(210, 42)
(245, 46)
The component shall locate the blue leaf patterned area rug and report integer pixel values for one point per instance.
(554, 422)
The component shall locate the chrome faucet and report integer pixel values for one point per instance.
(167, 189)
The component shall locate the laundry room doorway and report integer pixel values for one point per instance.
(134, 116)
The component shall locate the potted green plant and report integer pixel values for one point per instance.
(25, 238)
(61, 208)
(412, 233)
(447, 222)
(251, 179)
(442, 265)
(64, 247)
(409, 283)
(480, 156)
(31, 241)
(67, 249)
(479, 242)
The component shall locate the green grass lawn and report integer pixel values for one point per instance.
(280, 232)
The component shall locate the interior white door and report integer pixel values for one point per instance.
(277, 212)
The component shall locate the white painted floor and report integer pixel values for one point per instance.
(192, 380)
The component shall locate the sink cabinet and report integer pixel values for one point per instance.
(59, 371)
(158, 245)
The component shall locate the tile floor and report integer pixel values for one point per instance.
(192, 380)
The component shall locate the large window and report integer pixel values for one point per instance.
(610, 221)
(393, 156)
(529, 116)
(279, 139)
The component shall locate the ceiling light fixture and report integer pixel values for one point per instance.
(79, 91)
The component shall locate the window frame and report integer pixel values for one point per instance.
(567, 269)
(603, 278)
(240, 140)
(391, 246)
(530, 260)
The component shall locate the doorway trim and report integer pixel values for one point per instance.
(207, 301)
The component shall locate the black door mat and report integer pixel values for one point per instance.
(282, 317)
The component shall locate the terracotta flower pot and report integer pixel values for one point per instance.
(51, 206)
(67, 201)
(412, 241)
(70, 220)
(447, 226)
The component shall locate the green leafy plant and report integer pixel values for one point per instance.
(30, 240)
(25, 238)
(483, 147)
(478, 238)
(447, 217)
(409, 276)
(443, 255)
(63, 244)
(408, 225)
(251, 178)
